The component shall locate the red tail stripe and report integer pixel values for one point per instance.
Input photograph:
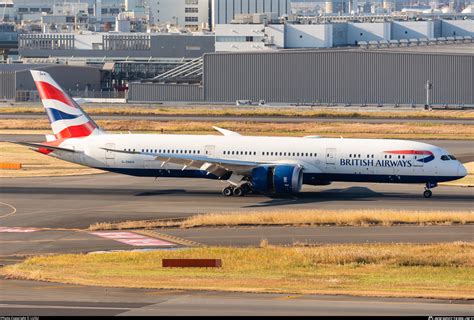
(82, 130)
(48, 91)
(409, 152)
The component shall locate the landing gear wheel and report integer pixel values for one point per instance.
(228, 191)
(238, 192)
(427, 194)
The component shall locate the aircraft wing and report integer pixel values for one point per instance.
(217, 166)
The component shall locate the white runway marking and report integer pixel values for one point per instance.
(16, 230)
(133, 239)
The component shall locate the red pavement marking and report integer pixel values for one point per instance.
(133, 239)
(16, 230)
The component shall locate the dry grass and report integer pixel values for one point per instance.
(35, 164)
(257, 111)
(400, 270)
(331, 129)
(302, 218)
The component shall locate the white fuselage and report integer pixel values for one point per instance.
(322, 159)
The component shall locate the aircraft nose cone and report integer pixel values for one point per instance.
(462, 171)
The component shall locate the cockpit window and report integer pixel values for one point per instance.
(444, 157)
(452, 157)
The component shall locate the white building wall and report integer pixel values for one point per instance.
(85, 41)
(412, 29)
(240, 37)
(241, 46)
(454, 28)
(357, 32)
(308, 36)
(276, 34)
(164, 12)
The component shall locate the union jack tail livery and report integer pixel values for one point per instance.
(67, 118)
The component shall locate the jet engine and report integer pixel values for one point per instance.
(279, 179)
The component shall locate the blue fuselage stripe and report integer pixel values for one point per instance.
(308, 178)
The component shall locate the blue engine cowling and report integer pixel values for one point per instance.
(278, 179)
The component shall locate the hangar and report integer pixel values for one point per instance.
(342, 76)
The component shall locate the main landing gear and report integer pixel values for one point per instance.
(238, 191)
(429, 185)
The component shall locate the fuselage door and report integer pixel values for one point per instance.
(110, 155)
(330, 156)
(209, 151)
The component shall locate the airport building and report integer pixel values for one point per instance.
(190, 14)
(257, 37)
(17, 84)
(392, 76)
(224, 11)
(131, 45)
(345, 76)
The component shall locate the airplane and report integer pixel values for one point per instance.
(249, 164)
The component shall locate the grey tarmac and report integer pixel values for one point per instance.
(79, 201)
(42, 299)
(45, 242)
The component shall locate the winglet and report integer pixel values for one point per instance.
(226, 132)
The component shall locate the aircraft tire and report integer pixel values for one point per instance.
(238, 192)
(228, 191)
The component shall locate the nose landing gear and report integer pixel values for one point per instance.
(429, 185)
(427, 194)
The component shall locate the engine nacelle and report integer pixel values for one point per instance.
(280, 179)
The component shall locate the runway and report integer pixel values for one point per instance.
(77, 202)
(253, 118)
(252, 236)
(41, 242)
(46, 299)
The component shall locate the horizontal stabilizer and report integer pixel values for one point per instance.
(39, 145)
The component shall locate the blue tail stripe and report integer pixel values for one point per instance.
(55, 115)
